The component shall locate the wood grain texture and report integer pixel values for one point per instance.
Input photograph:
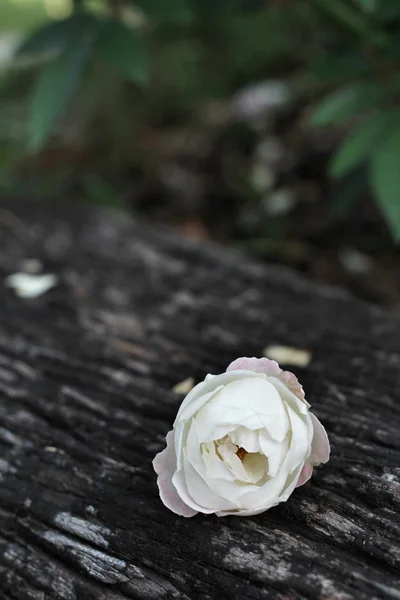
(86, 377)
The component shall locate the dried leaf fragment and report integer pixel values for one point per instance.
(287, 355)
(185, 386)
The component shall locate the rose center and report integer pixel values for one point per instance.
(241, 453)
(247, 467)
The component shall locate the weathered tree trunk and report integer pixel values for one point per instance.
(86, 377)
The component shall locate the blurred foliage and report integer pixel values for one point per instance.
(136, 63)
(366, 105)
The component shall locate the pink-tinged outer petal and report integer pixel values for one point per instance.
(272, 369)
(164, 465)
(259, 365)
(320, 448)
(305, 474)
(294, 385)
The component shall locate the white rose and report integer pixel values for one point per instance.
(242, 442)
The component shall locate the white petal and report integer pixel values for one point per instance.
(245, 438)
(164, 465)
(221, 479)
(250, 401)
(291, 484)
(215, 468)
(300, 446)
(275, 451)
(209, 386)
(320, 449)
(267, 495)
(287, 395)
(201, 492)
(229, 490)
(194, 404)
(180, 436)
(27, 285)
(193, 449)
(228, 453)
(179, 482)
(272, 369)
(216, 431)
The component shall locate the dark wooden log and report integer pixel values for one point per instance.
(86, 377)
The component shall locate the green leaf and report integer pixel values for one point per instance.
(387, 10)
(53, 36)
(348, 193)
(385, 179)
(124, 50)
(346, 103)
(174, 11)
(54, 89)
(369, 6)
(358, 144)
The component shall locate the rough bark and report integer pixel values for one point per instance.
(86, 377)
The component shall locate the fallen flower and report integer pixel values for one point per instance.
(241, 443)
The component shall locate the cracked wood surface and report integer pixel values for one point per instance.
(86, 378)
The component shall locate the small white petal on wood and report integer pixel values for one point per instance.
(26, 285)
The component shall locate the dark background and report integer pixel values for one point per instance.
(271, 126)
